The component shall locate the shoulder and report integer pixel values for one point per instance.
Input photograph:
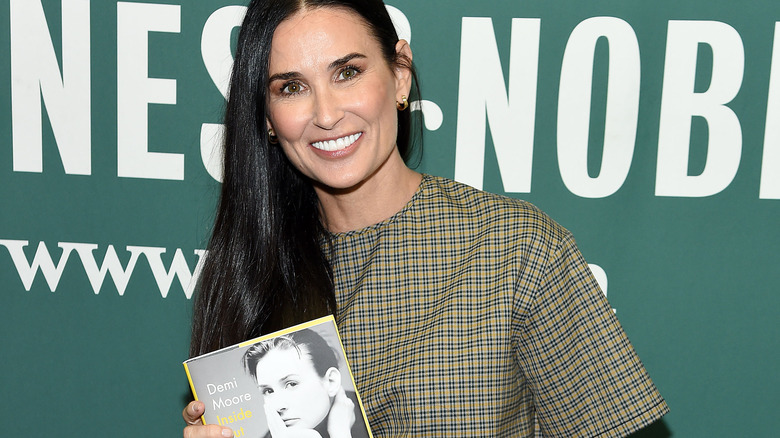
(445, 199)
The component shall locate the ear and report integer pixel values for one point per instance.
(333, 381)
(403, 71)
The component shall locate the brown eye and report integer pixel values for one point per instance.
(348, 73)
(292, 88)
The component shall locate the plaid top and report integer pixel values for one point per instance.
(473, 314)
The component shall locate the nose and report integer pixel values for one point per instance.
(328, 109)
(276, 403)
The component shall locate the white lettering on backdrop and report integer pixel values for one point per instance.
(35, 74)
(508, 106)
(218, 59)
(136, 90)
(770, 165)
(482, 93)
(679, 104)
(574, 106)
(42, 261)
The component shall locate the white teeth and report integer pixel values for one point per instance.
(338, 144)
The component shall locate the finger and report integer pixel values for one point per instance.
(193, 412)
(341, 394)
(207, 431)
(341, 397)
(275, 423)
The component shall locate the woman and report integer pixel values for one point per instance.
(299, 378)
(462, 313)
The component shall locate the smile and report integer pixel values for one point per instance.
(338, 144)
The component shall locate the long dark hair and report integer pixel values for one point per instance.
(266, 268)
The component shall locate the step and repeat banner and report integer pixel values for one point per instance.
(651, 130)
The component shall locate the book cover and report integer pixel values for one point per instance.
(297, 378)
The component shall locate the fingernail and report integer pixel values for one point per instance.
(227, 433)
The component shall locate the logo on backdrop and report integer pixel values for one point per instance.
(510, 108)
(484, 98)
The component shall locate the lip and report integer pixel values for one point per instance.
(336, 147)
(290, 421)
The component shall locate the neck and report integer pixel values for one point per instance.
(377, 198)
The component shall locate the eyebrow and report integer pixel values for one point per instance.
(284, 76)
(345, 59)
(282, 379)
(335, 64)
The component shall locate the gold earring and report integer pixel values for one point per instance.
(403, 104)
(272, 138)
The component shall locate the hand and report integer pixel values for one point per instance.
(195, 427)
(342, 416)
(280, 430)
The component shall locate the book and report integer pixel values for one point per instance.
(298, 377)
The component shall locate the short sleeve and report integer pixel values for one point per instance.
(583, 372)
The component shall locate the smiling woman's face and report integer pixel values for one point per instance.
(291, 386)
(332, 97)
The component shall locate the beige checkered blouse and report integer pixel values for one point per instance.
(472, 314)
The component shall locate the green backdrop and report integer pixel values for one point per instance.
(649, 129)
